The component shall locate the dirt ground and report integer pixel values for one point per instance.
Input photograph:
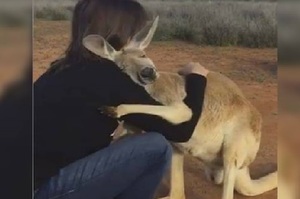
(254, 70)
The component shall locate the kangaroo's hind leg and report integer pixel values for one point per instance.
(229, 179)
(232, 159)
(214, 174)
(176, 176)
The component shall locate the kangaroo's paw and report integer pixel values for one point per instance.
(110, 111)
(214, 175)
(168, 197)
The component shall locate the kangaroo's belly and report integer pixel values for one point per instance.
(206, 143)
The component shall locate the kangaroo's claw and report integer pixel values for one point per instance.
(110, 111)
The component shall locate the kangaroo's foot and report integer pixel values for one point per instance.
(215, 175)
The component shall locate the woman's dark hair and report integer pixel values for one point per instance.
(115, 20)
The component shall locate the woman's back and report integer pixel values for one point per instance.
(67, 124)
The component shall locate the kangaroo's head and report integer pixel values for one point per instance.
(131, 59)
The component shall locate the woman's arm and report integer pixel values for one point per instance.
(129, 94)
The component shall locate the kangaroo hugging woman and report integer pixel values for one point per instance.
(73, 154)
(110, 125)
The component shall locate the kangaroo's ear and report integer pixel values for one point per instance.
(143, 38)
(99, 46)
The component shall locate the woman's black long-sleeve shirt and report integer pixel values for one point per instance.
(68, 125)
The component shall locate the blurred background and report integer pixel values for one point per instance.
(288, 16)
(15, 99)
(15, 40)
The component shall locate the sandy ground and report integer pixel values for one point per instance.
(254, 70)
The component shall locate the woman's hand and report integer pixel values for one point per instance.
(193, 67)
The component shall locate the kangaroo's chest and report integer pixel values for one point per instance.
(168, 89)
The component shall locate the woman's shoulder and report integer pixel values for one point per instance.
(106, 69)
(101, 65)
(86, 73)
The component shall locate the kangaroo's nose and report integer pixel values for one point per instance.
(148, 72)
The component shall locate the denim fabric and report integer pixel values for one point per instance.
(130, 168)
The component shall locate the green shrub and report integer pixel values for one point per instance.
(53, 13)
(217, 23)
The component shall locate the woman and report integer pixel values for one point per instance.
(73, 155)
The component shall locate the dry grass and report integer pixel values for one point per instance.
(254, 65)
(219, 23)
(250, 24)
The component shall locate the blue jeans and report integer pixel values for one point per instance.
(130, 168)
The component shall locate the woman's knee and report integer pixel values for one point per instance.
(158, 144)
(153, 146)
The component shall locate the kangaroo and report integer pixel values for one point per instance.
(227, 136)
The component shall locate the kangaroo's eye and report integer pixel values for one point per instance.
(143, 56)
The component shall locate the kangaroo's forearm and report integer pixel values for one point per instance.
(176, 114)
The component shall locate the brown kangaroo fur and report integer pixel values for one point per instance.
(227, 136)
